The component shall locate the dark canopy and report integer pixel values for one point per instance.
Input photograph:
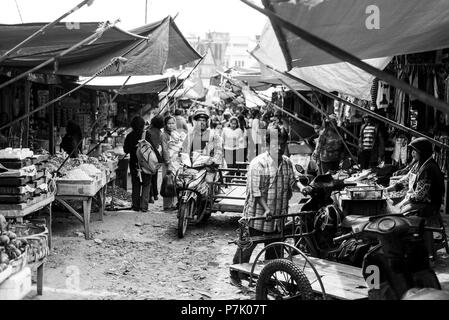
(367, 29)
(150, 49)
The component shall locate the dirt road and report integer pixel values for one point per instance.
(138, 256)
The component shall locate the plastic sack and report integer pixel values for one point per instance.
(168, 187)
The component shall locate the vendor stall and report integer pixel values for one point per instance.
(83, 180)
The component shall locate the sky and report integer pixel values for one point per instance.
(194, 16)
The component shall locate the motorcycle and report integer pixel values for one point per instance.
(193, 193)
(399, 261)
(322, 220)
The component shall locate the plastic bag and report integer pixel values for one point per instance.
(168, 188)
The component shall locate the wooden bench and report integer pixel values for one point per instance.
(340, 281)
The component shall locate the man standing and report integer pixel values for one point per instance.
(371, 144)
(269, 188)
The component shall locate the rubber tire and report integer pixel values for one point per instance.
(304, 288)
(183, 219)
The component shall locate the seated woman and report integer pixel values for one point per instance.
(425, 182)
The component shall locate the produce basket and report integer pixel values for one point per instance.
(365, 193)
(5, 274)
(36, 236)
(20, 263)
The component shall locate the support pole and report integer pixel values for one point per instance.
(43, 29)
(180, 85)
(334, 126)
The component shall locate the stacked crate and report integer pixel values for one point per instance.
(14, 194)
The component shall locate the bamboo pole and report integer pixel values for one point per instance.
(334, 126)
(43, 29)
(269, 102)
(89, 39)
(347, 57)
(363, 110)
(179, 85)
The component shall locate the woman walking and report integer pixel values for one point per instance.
(141, 182)
(171, 146)
(155, 132)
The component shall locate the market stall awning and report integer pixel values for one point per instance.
(150, 49)
(365, 28)
(342, 77)
(192, 87)
(135, 85)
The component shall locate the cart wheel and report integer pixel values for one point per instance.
(281, 279)
(183, 218)
(286, 252)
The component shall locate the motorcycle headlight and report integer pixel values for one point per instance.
(387, 225)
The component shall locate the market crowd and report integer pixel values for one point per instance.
(231, 136)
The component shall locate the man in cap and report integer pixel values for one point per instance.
(203, 140)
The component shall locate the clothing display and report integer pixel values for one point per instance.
(383, 95)
(400, 152)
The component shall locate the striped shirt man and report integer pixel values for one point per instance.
(368, 137)
(271, 181)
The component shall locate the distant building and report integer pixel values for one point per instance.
(222, 51)
(237, 55)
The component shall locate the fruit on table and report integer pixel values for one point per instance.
(4, 240)
(4, 258)
(11, 235)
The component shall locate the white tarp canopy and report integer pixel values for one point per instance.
(365, 28)
(251, 99)
(342, 77)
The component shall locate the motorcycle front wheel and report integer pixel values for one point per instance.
(185, 211)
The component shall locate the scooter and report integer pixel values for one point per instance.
(322, 219)
(399, 261)
(193, 194)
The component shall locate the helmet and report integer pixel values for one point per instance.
(200, 113)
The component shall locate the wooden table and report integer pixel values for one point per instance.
(87, 206)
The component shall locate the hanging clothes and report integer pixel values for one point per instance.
(400, 152)
(383, 95)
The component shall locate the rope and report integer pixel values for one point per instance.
(18, 9)
(244, 241)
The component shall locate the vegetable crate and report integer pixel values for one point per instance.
(365, 193)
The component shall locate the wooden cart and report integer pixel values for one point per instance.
(327, 279)
(302, 275)
(229, 193)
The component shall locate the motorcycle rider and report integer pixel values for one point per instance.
(203, 140)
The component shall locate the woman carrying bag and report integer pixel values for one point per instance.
(171, 146)
(141, 182)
